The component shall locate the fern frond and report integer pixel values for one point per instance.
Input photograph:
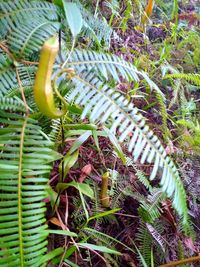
(149, 209)
(7, 103)
(119, 195)
(157, 236)
(55, 130)
(140, 174)
(14, 13)
(29, 37)
(135, 195)
(7, 74)
(95, 28)
(24, 170)
(190, 77)
(151, 236)
(105, 105)
(144, 180)
(164, 115)
(145, 239)
(78, 214)
(8, 78)
(108, 65)
(98, 236)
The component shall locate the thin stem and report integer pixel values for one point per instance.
(63, 143)
(69, 55)
(176, 263)
(22, 139)
(62, 99)
(22, 93)
(26, 62)
(7, 51)
(20, 215)
(96, 9)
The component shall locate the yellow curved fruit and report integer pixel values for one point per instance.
(147, 12)
(43, 90)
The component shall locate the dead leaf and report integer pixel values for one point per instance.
(86, 170)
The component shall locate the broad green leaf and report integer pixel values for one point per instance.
(54, 253)
(99, 248)
(58, 3)
(96, 140)
(84, 206)
(75, 109)
(68, 161)
(116, 145)
(62, 232)
(79, 141)
(53, 196)
(73, 248)
(70, 263)
(82, 187)
(70, 251)
(81, 126)
(103, 214)
(93, 231)
(73, 16)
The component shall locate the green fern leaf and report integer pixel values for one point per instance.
(95, 28)
(8, 78)
(145, 240)
(7, 103)
(107, 65)
(29, 37)
(190, 77)
(14, 13)
(24, 170)
(105, 105)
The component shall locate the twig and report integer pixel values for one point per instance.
(70, 52)
(7, 51)
(176, 263)
(22, 93)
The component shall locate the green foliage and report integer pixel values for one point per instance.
(127, 15)
(24, 166)
(145, 239)
(150, 237)
(192, 78)
(102, 103)
(149, 209)
(73, 17)
(28, 142)
(7, 103)
(32, 36)
(95, 27)
(8, 76)
(164, 115)
(190, 135)
(14, 14)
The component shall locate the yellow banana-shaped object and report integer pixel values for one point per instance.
(43, 89)
(147, 13)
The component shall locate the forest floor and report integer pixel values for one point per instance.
(126, 225)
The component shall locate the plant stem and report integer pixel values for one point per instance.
(96, 9)
(70, 52)
(176, 263)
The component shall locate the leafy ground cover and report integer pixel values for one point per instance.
(103, 207)
(145, 219)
